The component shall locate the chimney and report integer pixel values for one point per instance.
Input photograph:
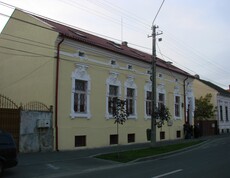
(124, 43)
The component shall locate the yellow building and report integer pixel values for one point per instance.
(79, 74)
(220, 100)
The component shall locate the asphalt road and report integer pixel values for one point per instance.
(211, 160)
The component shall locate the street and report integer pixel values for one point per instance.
(211, 159)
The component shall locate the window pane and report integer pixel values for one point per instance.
(113, 92)
(80, 96)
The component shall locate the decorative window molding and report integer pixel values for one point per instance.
(81, 74)
(112, 80)
(130, 84)
(147, 88)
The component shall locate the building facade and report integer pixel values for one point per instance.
(79, 74)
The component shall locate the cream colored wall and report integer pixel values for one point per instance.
(27, 60)
(202, 90)
(97, 128)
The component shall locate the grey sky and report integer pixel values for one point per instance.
(195, 32)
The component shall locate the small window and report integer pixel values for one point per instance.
(160, 75)
(227, 130)
(113, 62)
(176, 80)
(113, 139)
(162, 135)
(130, 67)
(81, 54)
(178, 134)
(149, 71)
(131, 138)
(80, 141)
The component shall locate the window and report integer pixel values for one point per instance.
(81, 54)
(226, 112)
(113, 89)
(221, 113)
(113, 139)
(131, 138)
(113, 62)
(161, 100)
(80, 141)
(148, 103)
(162, 135)
(130, 101)
(80, 98)
(130, 67)
(131, 97)
(113, 93)
(178, 134)
(177, 106)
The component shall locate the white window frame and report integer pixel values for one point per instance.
(80, 73)
(111, 80)
(147, 88)
(129, 83)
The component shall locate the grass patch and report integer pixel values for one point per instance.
(131, 155)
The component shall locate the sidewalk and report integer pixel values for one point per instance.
(44, 157)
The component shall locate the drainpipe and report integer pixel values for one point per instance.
(185, 100)
(56, 94)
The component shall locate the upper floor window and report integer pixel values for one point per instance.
(130, 101)
(80, 98)
(161, 100)
(226, 113)
(148, 103)
(113, 90)
(113, 93)
(177, 106)
(221, 113)
(131, 97)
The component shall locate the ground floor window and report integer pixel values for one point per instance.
(131, 138)
(80, 140)
(113, 139)
(178, 134)
(162, 135)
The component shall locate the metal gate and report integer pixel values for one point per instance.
(10, 117)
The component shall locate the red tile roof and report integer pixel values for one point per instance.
(123, 48)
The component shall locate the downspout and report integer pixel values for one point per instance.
(56, 94)
(185, 100)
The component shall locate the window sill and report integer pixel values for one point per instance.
(80, 115)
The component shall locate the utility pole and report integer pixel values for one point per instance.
(153, 78)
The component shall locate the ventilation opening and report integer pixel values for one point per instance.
(131, 138)
(113, 139)
(162, 135)
(80, 141)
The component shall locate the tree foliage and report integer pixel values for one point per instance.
(120, 114)
(162, 114)
(204, 109)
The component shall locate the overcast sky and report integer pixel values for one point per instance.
(196, 33)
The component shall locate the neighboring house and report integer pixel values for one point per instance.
(228, 89)
(79, 74)
(220, 100)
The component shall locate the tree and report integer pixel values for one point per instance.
(162, 115)
(204, 109)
